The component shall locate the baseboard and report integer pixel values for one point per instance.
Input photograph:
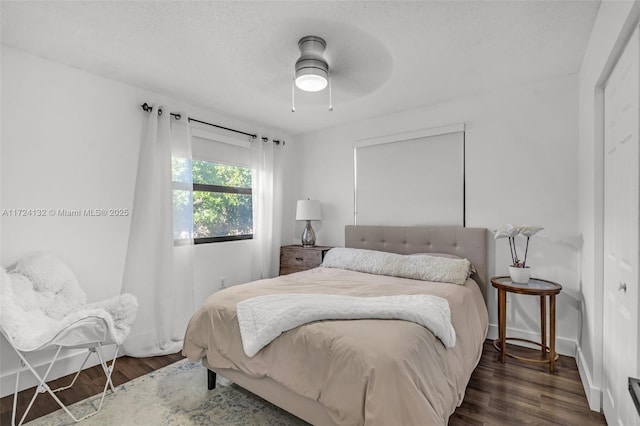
(594, 394)
(66, 364)
(563, 346)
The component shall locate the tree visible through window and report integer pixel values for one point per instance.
(221, 200)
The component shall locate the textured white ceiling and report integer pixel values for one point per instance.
(237, 57)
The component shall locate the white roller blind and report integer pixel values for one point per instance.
(217, 148)
(419, 181)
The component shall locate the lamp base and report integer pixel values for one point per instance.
(308, 236)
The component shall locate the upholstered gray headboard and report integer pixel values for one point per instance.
(470, 243)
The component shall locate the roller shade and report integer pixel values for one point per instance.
(417, 181)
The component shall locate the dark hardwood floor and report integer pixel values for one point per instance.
(517, 393)
(513, 393)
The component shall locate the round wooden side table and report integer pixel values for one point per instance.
(535, 287)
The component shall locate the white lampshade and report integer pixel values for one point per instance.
(308, 210)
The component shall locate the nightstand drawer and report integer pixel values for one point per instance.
(301, 257)
(298, 258)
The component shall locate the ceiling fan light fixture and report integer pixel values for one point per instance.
(311, 70)
(312, 78)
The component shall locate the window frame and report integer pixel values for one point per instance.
(202, 187)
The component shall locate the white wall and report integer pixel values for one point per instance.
(522, 168)
(70, 140)
(613, 27)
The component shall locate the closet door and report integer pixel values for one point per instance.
(621, 217)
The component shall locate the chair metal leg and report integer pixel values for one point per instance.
(107, 372)
(43, 387)
(15, 395)
(77, 374)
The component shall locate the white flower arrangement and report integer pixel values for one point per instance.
(510, 231)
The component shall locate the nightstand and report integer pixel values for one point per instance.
(296, 258)
(535, 287)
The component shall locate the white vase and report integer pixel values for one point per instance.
(520, 275)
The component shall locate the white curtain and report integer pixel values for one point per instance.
(267, 207)
(158, 274)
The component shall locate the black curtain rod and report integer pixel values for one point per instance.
(149, 108)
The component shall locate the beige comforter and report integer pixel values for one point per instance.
(371, 372)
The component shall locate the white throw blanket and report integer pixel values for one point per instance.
(264, 318)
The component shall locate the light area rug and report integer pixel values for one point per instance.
(175, 395)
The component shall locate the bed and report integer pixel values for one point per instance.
(369, 371)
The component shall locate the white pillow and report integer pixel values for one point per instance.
(424, 267)
(472, 269)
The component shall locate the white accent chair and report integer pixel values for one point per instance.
(42, 307)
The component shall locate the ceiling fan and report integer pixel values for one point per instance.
(311, 69)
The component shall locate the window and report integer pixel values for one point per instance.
(221, 200)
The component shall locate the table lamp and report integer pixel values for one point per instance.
(308, 210)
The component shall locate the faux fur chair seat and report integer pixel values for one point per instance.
(42, 304)
(43, 307)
